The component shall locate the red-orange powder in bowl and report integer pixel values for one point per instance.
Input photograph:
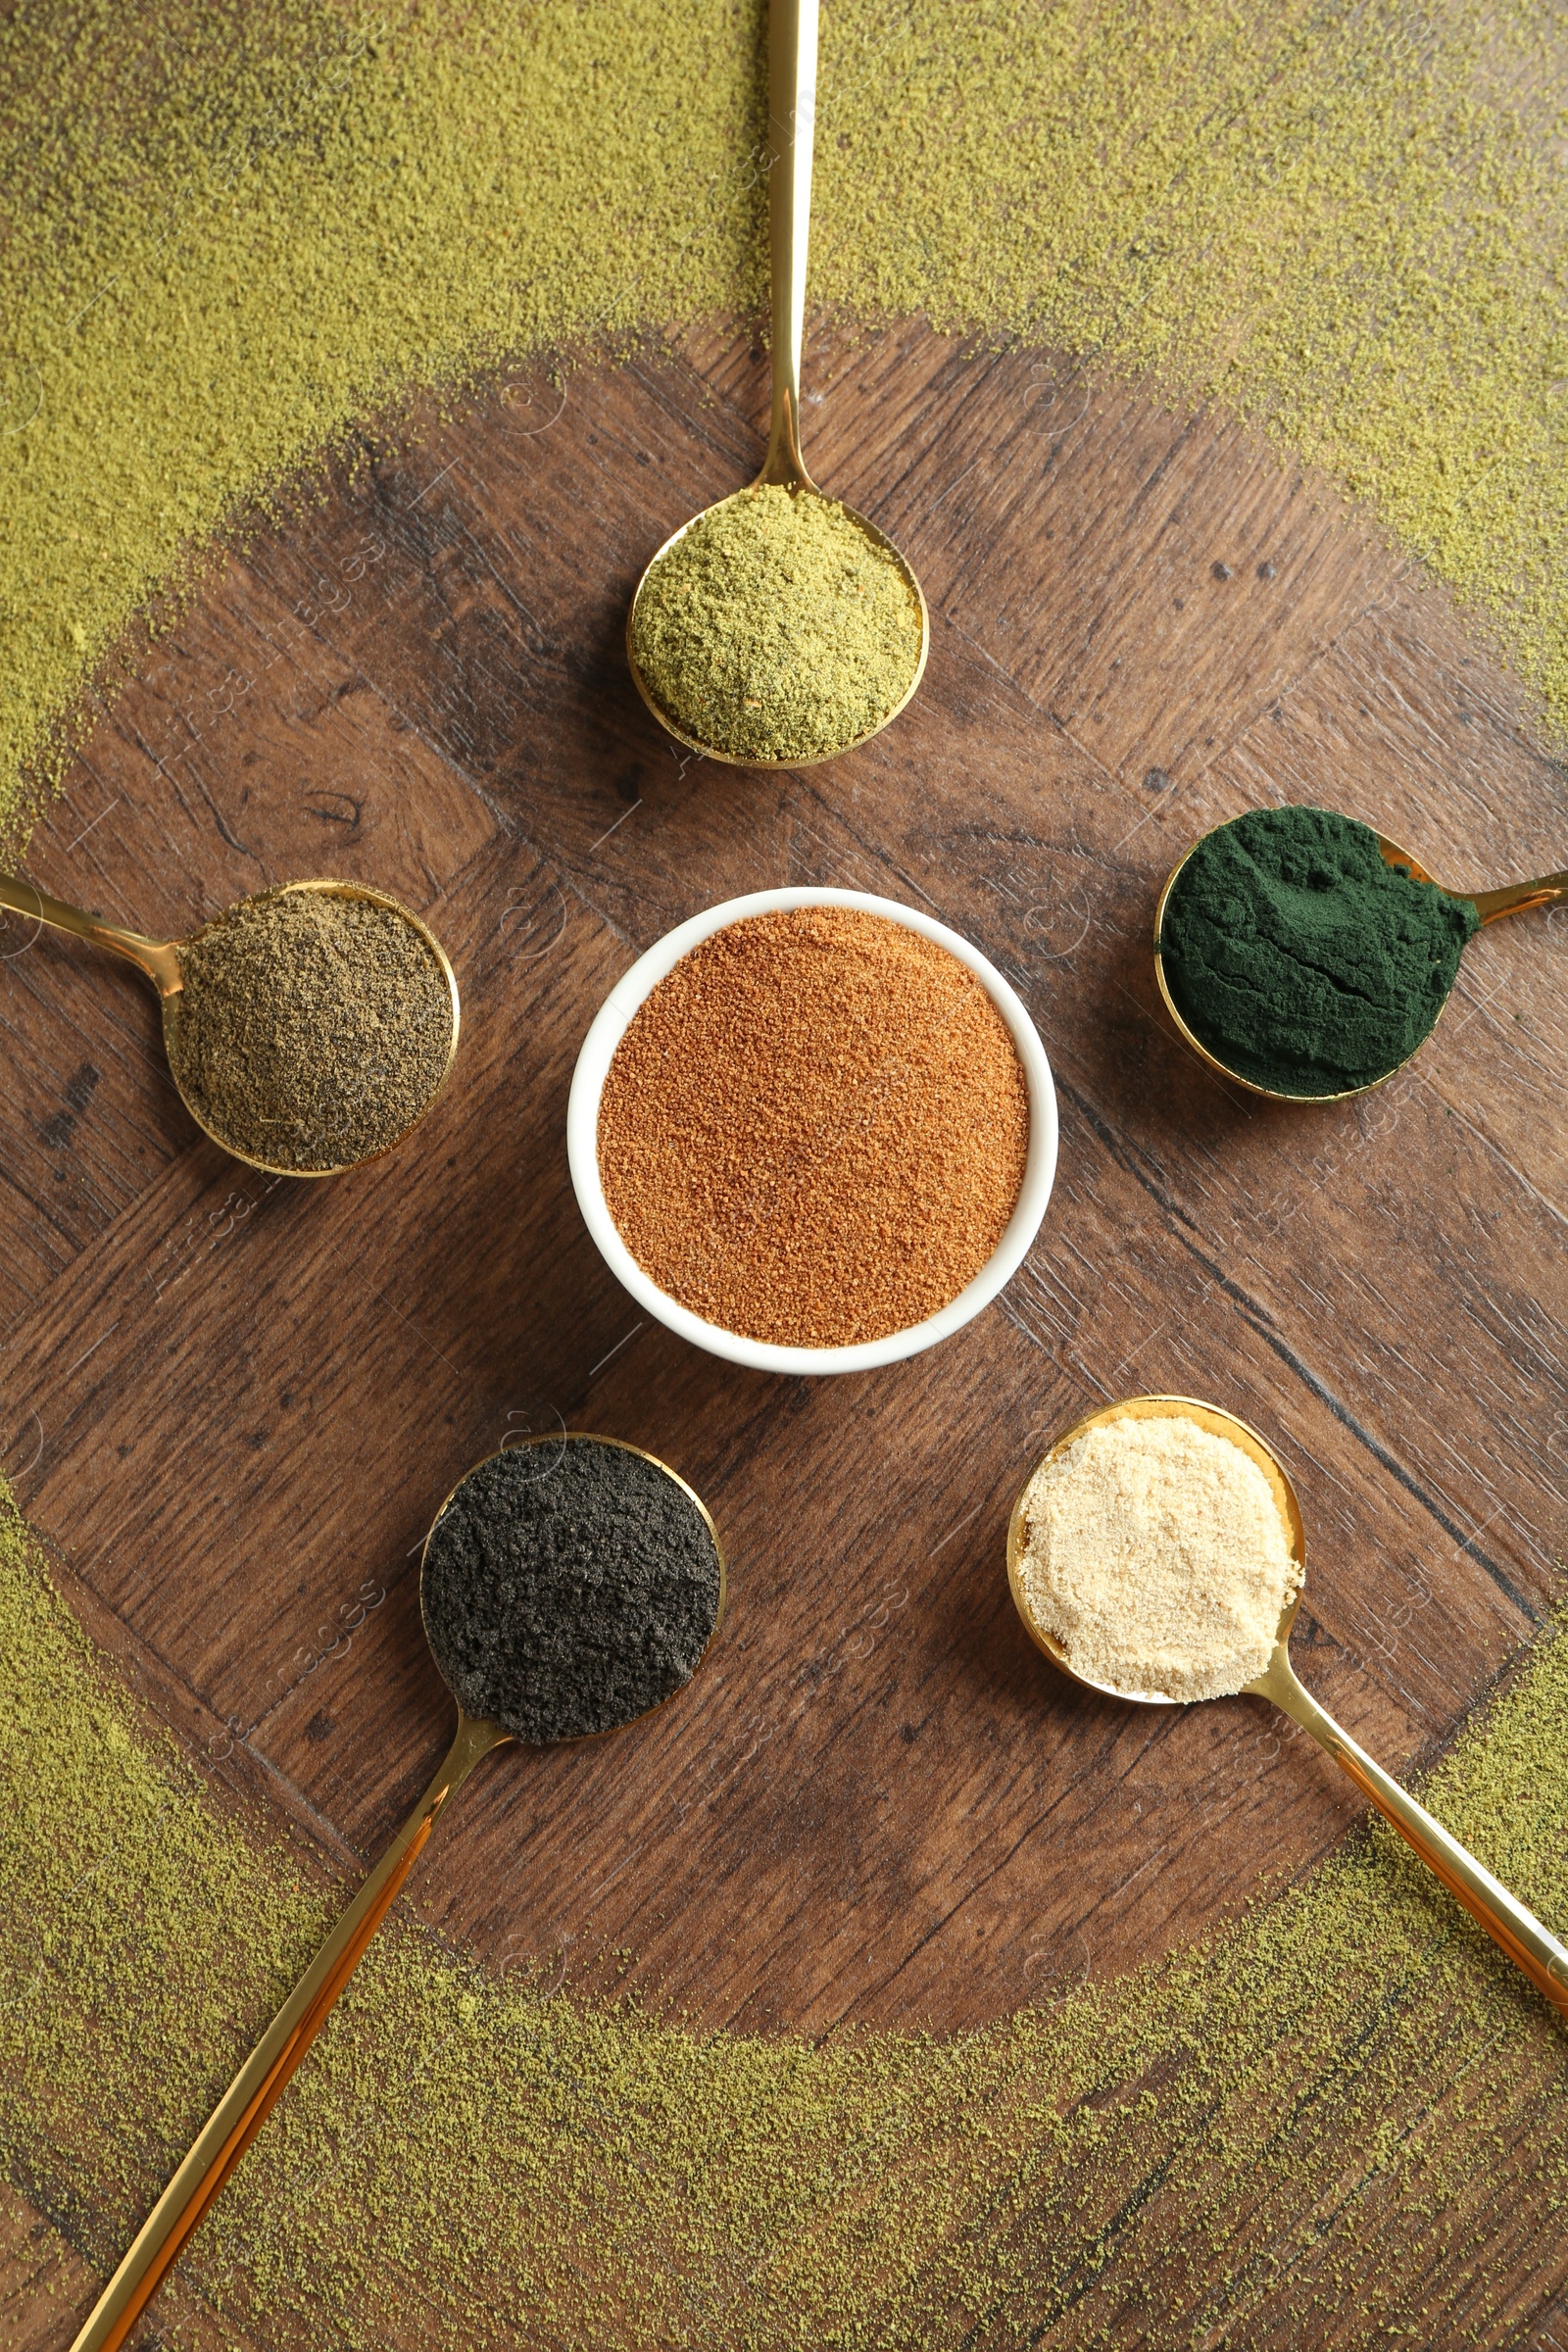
(813, 1131)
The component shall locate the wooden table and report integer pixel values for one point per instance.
(231, 1406)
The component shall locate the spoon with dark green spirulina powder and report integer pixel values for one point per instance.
(1307, 957)
(570, 1585)
(779, 627)
(308, 1028)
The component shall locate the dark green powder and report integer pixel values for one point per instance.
(1301, 960)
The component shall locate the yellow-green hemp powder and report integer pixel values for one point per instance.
(777, 628)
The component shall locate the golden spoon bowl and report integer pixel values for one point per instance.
(792, 121)
(544, 1443)
(159, 959)
(1218, 1424)
(255, 2090)
(1515, 897)
(790, 479)
(1528, 1943)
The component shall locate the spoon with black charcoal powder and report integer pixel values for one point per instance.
(1529, 1945)
(344, 1108)
(570, 1585)
(813, 722)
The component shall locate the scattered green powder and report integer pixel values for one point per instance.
(312, 1029)
(230, 230)
(1323, 2109)
(1303, 960)
(777, 628)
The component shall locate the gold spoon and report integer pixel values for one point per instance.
(249, 2098)
(159, 959)
(1531, 1946)
(792, 123)
(1515, 897)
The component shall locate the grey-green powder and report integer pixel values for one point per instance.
(312, 1029)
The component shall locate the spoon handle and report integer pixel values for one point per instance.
(243, 2108)
(158, 959)
(1529, 1945)
(1517, 898)
(790, 130)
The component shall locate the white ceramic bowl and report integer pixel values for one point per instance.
(582, 1140)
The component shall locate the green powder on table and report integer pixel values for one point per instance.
(777, 628)
(235, 233)
(1301, 958)
(1333, 2097)
(234, 230)
(311, 1030)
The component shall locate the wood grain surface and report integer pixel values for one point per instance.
(231, 1406)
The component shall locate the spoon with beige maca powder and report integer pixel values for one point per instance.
(1156, 1553)
(779, 627)
(307, 1028)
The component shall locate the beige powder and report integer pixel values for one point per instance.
(1155, 1557)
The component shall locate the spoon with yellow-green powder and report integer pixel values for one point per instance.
(779, 627)
(1156, 1553)
(307, 1028)
(1307, 957)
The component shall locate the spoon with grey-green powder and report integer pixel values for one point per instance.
(779, 627)
(308, 1028)
(570, 1585)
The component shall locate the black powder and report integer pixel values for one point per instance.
(567, 1588)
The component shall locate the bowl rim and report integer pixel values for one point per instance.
(610, 1026)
